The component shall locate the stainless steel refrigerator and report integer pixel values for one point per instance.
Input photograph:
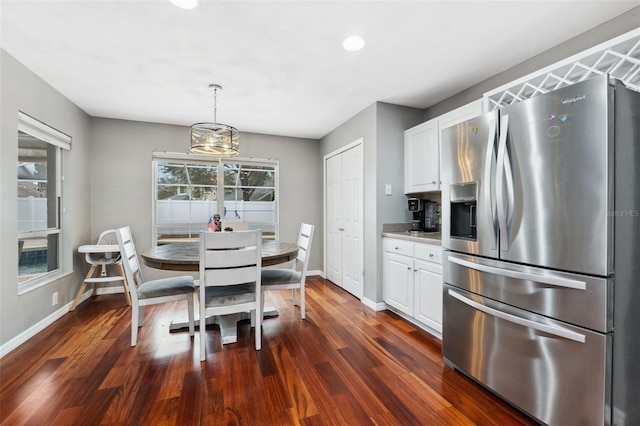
(541, 226)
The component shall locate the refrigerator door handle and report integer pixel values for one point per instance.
(489, 193)
(554, 281)
(545, 328)
(500, 172)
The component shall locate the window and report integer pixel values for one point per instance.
(39, 180)
(188, 189)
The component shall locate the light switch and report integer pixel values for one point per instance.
(387, 189)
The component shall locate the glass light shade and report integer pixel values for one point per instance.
(214, 139)
(353, 43)
(185, 4)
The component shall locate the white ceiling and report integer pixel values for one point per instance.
(281, 64)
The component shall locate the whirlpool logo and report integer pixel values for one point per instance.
(571, 101)
(624, 213)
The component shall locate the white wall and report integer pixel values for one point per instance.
(21, 90)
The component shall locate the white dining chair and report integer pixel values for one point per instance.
(294, 278)
(145, 293)
(230, 266)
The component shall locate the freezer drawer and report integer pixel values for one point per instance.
(555, 372)
(581, 300)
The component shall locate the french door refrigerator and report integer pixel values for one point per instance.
(541, 226)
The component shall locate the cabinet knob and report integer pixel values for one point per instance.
(431, 255)
(433, 182)
(408, 268)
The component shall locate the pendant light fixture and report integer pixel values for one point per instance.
(214, 138)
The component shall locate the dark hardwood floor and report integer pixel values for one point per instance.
(343, 365)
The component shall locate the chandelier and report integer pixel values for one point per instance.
(214, 138)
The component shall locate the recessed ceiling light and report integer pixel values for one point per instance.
(185, 4)
(353, 43)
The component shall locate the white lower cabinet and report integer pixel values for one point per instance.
(412, 281)
(398, 282)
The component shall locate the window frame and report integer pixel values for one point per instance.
(161, 156)
(60, 142)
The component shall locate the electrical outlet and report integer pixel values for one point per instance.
(387, 189)
(54, 299)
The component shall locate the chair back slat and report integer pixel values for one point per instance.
(220, 258)
(228, 240)
(215, 277)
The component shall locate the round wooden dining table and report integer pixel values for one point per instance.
(186, 257)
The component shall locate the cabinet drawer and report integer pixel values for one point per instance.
(398, 246)
(428, 252)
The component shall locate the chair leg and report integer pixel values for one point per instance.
(202, 327)
(134, 325)
(302, 301)
(191, 320)
(258, 315)
(293, 296)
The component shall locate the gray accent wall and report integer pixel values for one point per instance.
(121, 178)
(22, 90)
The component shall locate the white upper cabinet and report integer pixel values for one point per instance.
(421, 158)
(422, 148)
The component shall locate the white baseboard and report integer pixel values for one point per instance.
(41, 325)
(33, 330)
(316, 272)
(376, 306)
(417, 323)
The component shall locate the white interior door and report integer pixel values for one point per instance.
(344, 218)
(352, 189)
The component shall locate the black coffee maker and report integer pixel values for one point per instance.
(425, 215)
(415, 206)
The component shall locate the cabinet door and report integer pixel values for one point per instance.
(421, 158)
(398, 282)
(428, 288)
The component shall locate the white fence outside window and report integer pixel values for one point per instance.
(32, 214)
(179, 217)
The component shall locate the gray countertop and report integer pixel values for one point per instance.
(417, 237)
